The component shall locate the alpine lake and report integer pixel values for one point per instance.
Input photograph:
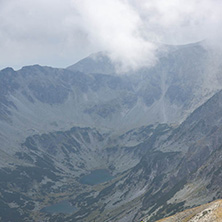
(95, 177)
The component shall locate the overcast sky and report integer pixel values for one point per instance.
(60, 32)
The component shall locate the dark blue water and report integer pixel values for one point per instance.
(96, 177)
(62, 207)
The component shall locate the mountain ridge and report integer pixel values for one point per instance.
(157, 131)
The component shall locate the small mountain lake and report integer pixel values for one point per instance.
(62, 207)
(96, 177)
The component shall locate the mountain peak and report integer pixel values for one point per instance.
(95, 63)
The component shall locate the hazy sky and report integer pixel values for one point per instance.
(60, 32)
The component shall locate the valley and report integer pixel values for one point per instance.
(109, 147)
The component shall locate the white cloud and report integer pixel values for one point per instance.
(59, 32)
(115, 26)
(181, 21)
(42, 31)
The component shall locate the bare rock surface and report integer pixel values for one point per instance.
(211, 212)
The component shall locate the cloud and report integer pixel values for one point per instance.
(130, 30)
(180, 21)
(42, 31)
(115, 26)
(59, 32)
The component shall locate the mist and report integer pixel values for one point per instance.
(59, 33)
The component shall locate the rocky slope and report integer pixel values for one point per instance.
(180, 169)
(211, 212)
(190, 169)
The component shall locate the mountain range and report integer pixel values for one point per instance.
(156, 132)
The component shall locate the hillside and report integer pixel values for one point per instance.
(211, 212)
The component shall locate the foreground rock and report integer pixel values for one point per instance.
(211, 212)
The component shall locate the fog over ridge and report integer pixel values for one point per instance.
(59, 33)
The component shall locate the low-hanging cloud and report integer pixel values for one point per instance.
(59, 32)
(115, 26)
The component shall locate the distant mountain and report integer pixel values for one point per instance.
(166, 93)
(95, 63)
(156, 131)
